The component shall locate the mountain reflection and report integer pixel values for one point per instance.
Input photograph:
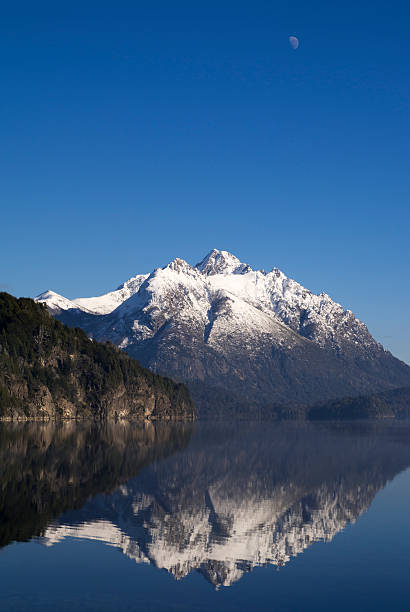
(47, 468)
(220, 501)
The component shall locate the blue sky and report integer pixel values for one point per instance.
(135, 132)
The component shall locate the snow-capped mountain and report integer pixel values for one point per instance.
(228, 330)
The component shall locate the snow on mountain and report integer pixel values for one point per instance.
(316, 317)
(184, 298)
(222, 276)
(104, 304)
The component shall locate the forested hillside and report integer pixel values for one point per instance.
(48, 370)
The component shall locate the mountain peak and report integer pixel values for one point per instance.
(222, 262)
(55, 302)
(48, 294)
(179, 265)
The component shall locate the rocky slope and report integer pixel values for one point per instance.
(238, 336)
(50, 371)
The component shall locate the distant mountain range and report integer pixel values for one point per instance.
(239, 338)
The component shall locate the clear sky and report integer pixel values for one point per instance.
(135, 132)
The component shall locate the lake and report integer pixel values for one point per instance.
(205, 516)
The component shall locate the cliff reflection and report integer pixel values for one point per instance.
(232, 498)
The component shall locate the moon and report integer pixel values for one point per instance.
(294, 42)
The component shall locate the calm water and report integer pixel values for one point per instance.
(253, 516)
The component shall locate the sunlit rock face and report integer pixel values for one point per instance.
(241, 496)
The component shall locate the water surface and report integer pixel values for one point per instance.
(246, 516)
